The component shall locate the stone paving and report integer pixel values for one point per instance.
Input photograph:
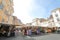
(40, 37)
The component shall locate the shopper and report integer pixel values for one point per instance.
(29, 32)
(38, 31)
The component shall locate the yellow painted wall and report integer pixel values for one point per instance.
(0, 18)
(10, 21)
(17, 22)
(7, 7)
(0, 1)
(7, 17)
(1, 12)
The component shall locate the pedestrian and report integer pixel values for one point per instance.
(23, 32)
(38, 31)
(29, 32)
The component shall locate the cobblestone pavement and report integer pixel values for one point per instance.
(19, 36)
(48, 37)
(40, 37)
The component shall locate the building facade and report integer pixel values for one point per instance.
(6, 6)
(6, 11)
(56, 16)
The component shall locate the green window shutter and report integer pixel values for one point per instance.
(1, 6)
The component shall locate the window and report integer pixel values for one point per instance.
(6, 12)
(11, 1)
(58, 19)
(1, 6)
(56, 15)
(3, 20)
(52, 20)
(3, 2)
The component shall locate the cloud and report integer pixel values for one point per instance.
(21, 10)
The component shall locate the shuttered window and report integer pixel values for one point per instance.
(3, 2)
(1, 6)
(3, 20)
(58, 19)
(6, 12)
(56, 15)
(11, 0)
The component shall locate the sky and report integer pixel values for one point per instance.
(27, 10)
